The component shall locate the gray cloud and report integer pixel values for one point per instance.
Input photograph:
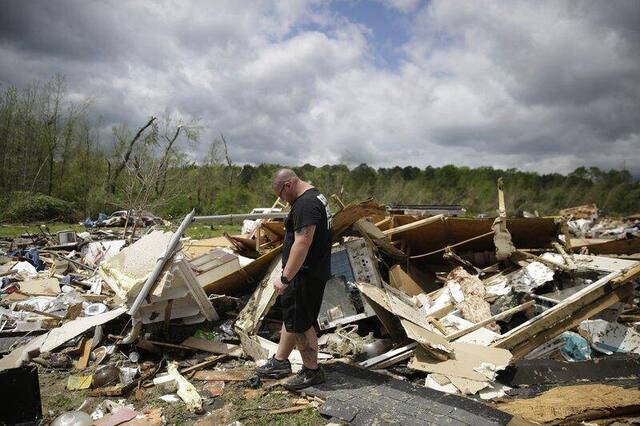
(546, 86)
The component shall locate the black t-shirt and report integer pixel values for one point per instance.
(310, 208)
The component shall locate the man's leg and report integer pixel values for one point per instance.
(286, 344)
(279, 366)
(307, 344)
(312, 373)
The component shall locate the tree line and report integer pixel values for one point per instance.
(52, 159)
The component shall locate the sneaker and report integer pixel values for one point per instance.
(305, 378)
(274, 369)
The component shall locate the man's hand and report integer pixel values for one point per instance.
(279, 286)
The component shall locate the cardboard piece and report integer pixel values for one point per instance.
(468, 358)
(427, 338)
(41, 286)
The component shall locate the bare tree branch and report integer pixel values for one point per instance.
(125, 159)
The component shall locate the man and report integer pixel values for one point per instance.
(306, 267)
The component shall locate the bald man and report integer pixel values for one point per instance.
(306, 267)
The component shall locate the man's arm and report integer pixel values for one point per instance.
(303, 238)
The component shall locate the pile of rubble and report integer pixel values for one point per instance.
(469, 319)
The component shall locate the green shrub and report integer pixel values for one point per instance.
(27, 207)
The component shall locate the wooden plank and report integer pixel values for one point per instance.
(502, 207)
(384, 223)
(370, 229)
(83, 361)
(374, 235)
(206, 363)
(501, 315)
(224, 375)
(196, 291)
(413, 225)
(625, 246)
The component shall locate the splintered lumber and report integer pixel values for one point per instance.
(565, 315)
(501, 315)
(413, 225)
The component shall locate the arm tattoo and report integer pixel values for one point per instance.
(302, 231)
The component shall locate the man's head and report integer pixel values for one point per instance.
(284, 185)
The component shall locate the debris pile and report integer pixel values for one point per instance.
(484, 311)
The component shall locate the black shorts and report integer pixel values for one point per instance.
(300, 303)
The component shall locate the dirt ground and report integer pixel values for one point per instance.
(237, 403)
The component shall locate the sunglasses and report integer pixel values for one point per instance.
(282, 188)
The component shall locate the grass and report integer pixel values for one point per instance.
(16, 230)
(54, 394)
(197, 231)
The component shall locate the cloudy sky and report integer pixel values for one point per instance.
(535, 85)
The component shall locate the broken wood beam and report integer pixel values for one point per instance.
(206, 363)
(413, 225)
(501, 315)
